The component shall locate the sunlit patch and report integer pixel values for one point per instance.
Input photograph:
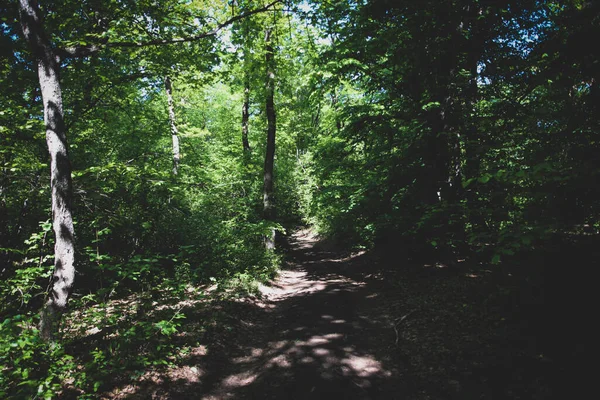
(326, 317)
(281, 361)
(278, 345)
(317, 340)
(256, 352)
(291, 284)
(364, 366)
(307, 360)
(331, 336)
(320, 352)
(190, 374)
(201, 350)
(239, 380)
(242, 360)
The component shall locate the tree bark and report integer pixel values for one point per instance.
(60, 169)
(268, 201)
(173, 125)
(246, 113)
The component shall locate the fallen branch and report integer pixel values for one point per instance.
(400, 320)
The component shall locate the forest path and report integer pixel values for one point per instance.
(330, 327)
(318, 337)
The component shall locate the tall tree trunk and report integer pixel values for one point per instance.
(246, 112)
(60, 169)
(268, 202)
(173, 125)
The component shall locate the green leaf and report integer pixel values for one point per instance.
(485, 178)
(431, 105)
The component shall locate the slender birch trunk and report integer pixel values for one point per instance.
(60, 169)
(173, 125)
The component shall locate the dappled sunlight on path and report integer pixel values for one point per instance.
(318, 343)
(330, 327)
(312, 334)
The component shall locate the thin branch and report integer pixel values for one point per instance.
(77, 114)
(398, 321)
(84, 51)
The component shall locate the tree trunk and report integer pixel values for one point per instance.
(268, 202)
(246, 113)
(60, 169)
(174, 133)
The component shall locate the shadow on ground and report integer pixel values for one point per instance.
(331, 326)
(311, 336)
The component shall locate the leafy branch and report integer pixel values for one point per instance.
(87, 50)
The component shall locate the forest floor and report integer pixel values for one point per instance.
(330, 326)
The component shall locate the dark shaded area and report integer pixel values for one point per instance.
(559, 306)
(334, 328)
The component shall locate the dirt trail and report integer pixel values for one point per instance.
(329, 327)
(317, 339)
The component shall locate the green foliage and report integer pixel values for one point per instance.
(445, 142)
(31, 272)
(442, 130)
(138, 226)
(30, 367)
